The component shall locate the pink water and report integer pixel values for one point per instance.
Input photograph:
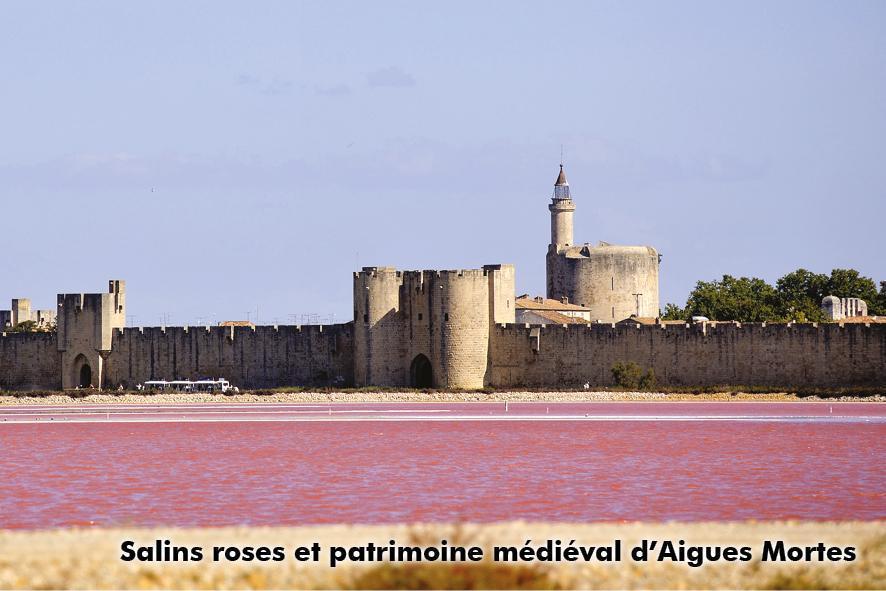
(280, 473)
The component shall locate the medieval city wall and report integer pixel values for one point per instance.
(29, 361)
(826, 355)
(249, 357)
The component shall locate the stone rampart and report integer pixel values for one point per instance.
(778, 355)
(249, 357)
(29, 361)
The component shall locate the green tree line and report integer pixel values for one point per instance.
(796, 296)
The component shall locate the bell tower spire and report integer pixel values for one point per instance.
(561, 208)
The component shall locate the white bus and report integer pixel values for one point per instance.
(219, 385)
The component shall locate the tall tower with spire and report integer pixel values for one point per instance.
(561, 209)
(614, 282)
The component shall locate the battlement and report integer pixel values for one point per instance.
(703, 328)
(450, 273)
(420, 273)
(376, 271)
(232, 331)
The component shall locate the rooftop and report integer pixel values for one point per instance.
(557, 318)
(649, 320)
(860, 319)
(539, 303)
(236, 323)
(561, 178)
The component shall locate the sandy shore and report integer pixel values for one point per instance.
(90, 558)
(357, 396)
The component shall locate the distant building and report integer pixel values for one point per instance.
(20, 311)
(650, 321)
(835, 308)
(539, 310)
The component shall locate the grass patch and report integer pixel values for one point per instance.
(483, 575)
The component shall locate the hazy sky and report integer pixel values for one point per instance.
(225, 157)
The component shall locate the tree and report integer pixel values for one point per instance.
(30, 326)
(800, 293)
(26, 326)
(880, 308)
(673, 312)
(848, 283)
(796, 296)
(746, 299)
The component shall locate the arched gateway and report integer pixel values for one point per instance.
(81, 372)
(421, 374)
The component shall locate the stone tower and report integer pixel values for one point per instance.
(615, 282)
(428, 328)
(86, 322)
(561, 209)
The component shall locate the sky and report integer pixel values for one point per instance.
(241, 160)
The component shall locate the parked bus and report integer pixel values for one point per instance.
(219, 385)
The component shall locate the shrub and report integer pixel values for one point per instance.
(629, 375)
(647, 382)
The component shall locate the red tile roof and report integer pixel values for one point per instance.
(527, 303)
(557, 318)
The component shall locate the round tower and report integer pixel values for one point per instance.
(378, 327)
(461, 310)
(562, 209)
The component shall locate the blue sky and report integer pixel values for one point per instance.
(228, 157)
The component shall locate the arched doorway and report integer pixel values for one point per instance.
(421, 375)
(81, 372)
(85, 376)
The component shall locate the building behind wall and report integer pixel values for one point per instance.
(20, 311)
(835, 308)
(539, 310)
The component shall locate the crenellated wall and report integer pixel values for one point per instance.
(249, 357)
(446, 329)
(29, 361)
(826, 355)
